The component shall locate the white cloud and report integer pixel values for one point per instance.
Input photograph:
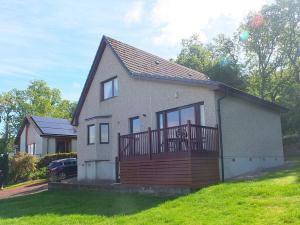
(135, 12)
(177, 19)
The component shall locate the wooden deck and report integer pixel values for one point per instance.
(183, 156)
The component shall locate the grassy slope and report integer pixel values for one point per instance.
(23, 183)
(273, 199)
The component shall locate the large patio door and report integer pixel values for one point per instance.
(172, 138)
(180, 116)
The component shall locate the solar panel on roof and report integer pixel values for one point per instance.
(54, 126)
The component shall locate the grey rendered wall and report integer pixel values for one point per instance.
(74, 145)
(34, 137)
(23, 141)
(252, 137)
(136, 97)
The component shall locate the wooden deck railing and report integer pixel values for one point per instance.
(184, 139)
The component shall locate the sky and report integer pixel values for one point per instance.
(56, 40)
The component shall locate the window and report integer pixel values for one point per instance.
(179, 116)
(110, 88)
(202, 115)
(31, 149)
(173, 118)
(187, 114)
(91, 134)
(134, 125)
(104, 133)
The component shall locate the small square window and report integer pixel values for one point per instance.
(104, 133)
(91, 134)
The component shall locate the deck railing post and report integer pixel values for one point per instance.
(119, 146)
(158, 141)
(150, 142)
(189, 133)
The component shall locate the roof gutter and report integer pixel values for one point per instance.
(220, 133)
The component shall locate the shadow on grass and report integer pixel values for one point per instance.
(290, 168)
(78, 202)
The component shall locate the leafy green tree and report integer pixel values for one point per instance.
(10, 113)
(195, 55)
(218, 60)
(273, 42)
(290, 34)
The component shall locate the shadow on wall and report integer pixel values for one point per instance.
(89, 203)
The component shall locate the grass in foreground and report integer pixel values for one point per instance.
(272, 199)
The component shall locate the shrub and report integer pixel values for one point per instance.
(49, 158)
(40, 173)
(291, 139)
(21, 166)
(4, 166)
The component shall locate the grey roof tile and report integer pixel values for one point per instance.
(138, 61)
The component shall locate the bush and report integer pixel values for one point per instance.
(44, 162)
(40, 173)
(291, 139)
(21, 167)
(4, 166)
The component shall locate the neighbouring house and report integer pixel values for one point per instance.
(149, 121)
(41, 136)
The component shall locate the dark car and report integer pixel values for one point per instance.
(62, 169)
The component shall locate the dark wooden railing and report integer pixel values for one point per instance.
(184, 139)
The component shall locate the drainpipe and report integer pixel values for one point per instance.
(220, 133)
(47, 146)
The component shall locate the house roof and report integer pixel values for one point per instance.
(54, 126)
(49, 126)
(143, 65)
(140, 62)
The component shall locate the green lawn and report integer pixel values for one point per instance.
(272, 199)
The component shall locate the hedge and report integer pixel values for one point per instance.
(291, 139)
(44, 161)
(4, 166)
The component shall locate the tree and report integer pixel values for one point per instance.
(195, 55)
(10, 113)
(272, 44)
(290, 37)
(218, 60)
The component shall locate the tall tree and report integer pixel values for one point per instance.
(219, 59)
(272, 45)
(290, 37)
(10, 113)
(195, 55)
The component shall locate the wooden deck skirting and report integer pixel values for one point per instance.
(181, 156)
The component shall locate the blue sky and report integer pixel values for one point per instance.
(56, 40)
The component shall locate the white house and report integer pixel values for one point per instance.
(149, 101)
